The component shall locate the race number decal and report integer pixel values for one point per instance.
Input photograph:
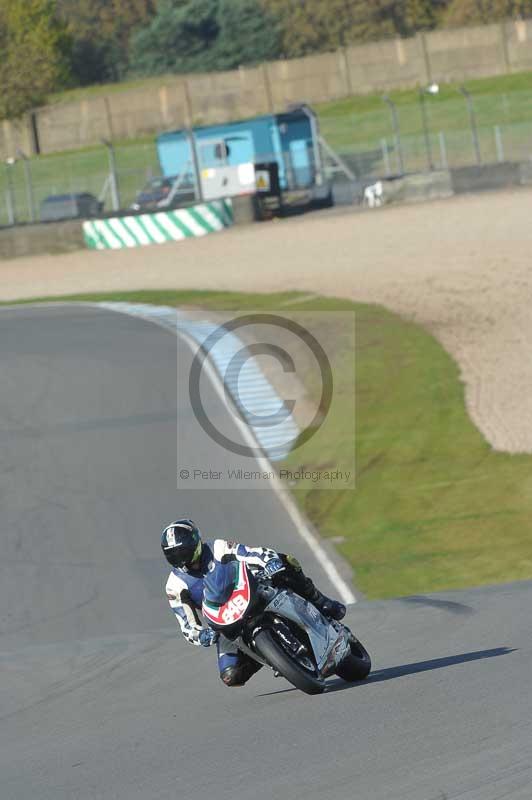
(235, 608)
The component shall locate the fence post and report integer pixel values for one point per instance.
(9, 207)
(347, 72)
(30, 200)
(427, 78)
(267, 88)
(108, 118)
(189, 113)
(396, 132)
(443, 150)
(340, 165)
(10, 196)
(504, 46)
(473, 122)
(499, 144)
(318, 166)
(426, 134)
(386, 156)
(163, 105)
(115, 190)
(198, 190)
(34, 133)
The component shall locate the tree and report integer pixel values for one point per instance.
(202, 35)
(308, 26)
(100, 32)
(121, 17)
(419, 15)
(33, 45)
(467, 12)
(247, 34)
(177, 39)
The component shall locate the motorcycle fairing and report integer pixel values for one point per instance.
(235, 606)
(329, 645)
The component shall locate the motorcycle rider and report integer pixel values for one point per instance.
(191, 558)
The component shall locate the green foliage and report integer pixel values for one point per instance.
(247, 35)
(466, 12)
(419, 15)
(32, 46)
(46, 44)
(178, 39)
(312, 25)
(201, 35)
(100, 31)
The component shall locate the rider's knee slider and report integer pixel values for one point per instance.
(233, 676)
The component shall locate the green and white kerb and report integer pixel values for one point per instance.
(115, 233)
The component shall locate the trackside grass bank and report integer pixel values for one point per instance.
(435, 507)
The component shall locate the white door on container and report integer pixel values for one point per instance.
(218, 177)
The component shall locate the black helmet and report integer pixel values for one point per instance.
(181, 543)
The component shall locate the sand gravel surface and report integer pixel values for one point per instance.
(461, 267)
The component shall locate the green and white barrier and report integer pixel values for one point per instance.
(163, 226)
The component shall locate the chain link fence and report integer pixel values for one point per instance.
(443, 130)
(389, 156)
(25, 183)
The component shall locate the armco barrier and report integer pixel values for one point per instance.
(48, 238)
(446, 183)
(115, 233)
(418, 188)
(486, 177)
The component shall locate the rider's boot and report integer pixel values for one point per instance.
(304, 586)
(332, 609)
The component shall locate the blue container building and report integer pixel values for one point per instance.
(290, 139)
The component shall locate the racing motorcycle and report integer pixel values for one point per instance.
(279, 629)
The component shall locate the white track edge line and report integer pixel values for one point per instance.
(300, 523)
(287, 501)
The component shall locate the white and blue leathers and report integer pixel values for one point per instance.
(184, 589)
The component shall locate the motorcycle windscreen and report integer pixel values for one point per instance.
(219, 585)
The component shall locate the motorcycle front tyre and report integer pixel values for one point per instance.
(356, 665)
(288, 667)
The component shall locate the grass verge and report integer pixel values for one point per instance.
(435, 507)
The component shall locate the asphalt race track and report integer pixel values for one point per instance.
(100, 697)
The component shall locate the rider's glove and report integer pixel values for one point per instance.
(273, 566)
(207, 637)
(293, 562)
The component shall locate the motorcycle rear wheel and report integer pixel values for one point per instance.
(356, 665)
(288, 667)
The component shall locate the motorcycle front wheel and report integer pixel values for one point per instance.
(356, 665)
(272, 652)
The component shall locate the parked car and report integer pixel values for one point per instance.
(70, 206)
(164, 192)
